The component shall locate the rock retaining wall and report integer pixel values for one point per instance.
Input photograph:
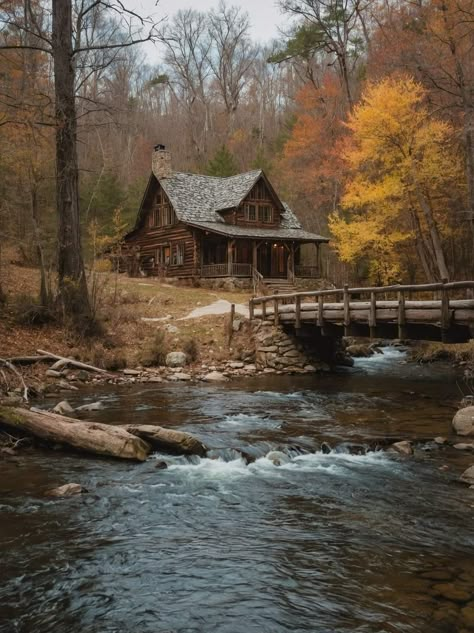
(279, 351)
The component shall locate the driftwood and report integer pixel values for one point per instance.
(12, 368)
(91, 437)
(29, 360)
(168, 440)
(70, 361)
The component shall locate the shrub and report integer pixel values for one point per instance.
(27, 310)
(103, 266)
(114, 361)
(155, 350)
(191, 349)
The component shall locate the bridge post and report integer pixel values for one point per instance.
(347, 310)
(401, 316)
(251, 309)
(372, 315)
(445, 314)
(276, 316)
(297, 312)
(320, 321)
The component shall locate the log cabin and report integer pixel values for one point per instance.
(192, 227)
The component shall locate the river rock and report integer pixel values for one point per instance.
(440, 440)
(176, 359)
(179, 376)
(277, 458)
(467, 401)
(463, 421)
(468, 476)
(464, 446)
(83, 375)
(236, 325)
(68, 490)
(91, 406)
(63, 408)
(215, 376)
(360, 351)
(467, 614)
(452, 592)
(131, 372)
(404, 447)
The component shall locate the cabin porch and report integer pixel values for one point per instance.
(224, 257)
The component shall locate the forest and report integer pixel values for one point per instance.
(362, 113)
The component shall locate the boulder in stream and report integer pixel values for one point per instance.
(404, 447)
(360, 350)
(463, 421)
(468, 476)
(63, 408)
(91, 406)
(68, 490)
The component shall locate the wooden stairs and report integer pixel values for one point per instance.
(279, 286)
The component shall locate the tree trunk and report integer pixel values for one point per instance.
(433, 231)
(91, 437)
(168, 440)
(72, 284)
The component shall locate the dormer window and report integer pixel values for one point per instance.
(265, 213)
(250, 212)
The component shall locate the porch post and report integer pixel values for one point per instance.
(230, 244)
(254, 254)
(291, 264)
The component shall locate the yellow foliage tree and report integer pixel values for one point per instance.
(404, 172)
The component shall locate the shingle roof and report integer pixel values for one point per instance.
(197, 200)
(233, 230)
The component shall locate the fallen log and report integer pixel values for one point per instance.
(30, 360)
(71, 361)
(176, 442)
(91, 437)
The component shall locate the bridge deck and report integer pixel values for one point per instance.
(443, 318)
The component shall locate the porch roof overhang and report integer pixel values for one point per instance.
(234, 231)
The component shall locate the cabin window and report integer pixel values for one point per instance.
(178, 255)
(163, 255)
(250, 212)
(265, 213)
(162, 214)
(260, 191)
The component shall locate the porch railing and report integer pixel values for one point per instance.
(226, 270)
(307, 271)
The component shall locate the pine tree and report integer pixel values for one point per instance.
(223, 164)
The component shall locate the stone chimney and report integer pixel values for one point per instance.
(161, 162)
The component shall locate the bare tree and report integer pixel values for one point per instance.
(338, 28)
(68, 33)
(233, 54)
(188, 45)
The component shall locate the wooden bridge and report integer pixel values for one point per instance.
(437, 311)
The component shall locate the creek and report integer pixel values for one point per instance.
(354, 539)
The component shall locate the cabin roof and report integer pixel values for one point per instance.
(233, 230)
(198, 199)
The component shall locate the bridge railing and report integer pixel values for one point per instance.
(402, 290)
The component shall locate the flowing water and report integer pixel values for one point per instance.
(348, 538)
